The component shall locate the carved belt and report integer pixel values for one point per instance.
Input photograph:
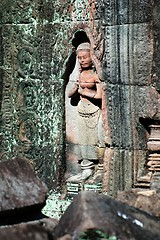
(87, 110)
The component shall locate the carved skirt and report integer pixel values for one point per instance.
(90, 129)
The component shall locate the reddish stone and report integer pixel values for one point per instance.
(148, 201)
(92, 211)
(20, 187)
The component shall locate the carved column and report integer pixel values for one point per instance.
(153, 145)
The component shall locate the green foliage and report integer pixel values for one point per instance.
(96, 234)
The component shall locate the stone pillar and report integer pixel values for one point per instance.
(129, 52)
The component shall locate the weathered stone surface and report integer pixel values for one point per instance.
(20, 187)
(49, 11)
(118, 170)
(29, 97)
(132, 89)
(65, 237)
(127, 105)
(127, 61)
(25, 12)
(147, 201)
(24, 232)
(124, 12)
(98, 212)
(33, 230)
(156, 56)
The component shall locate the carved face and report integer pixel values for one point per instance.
(84, 59)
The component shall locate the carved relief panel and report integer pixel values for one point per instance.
(33, 98)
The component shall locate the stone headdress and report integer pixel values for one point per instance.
(84, 46)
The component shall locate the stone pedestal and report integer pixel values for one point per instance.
(74, 188)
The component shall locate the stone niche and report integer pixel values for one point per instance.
(74, 149)
(37, 56)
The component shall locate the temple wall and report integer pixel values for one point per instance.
(35, 47)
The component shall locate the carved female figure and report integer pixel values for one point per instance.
(90, 130)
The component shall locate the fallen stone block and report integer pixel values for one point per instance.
(24, 231)
(22, 194)
(147, 200)
(93, 215)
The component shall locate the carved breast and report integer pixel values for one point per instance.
(87, 82)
